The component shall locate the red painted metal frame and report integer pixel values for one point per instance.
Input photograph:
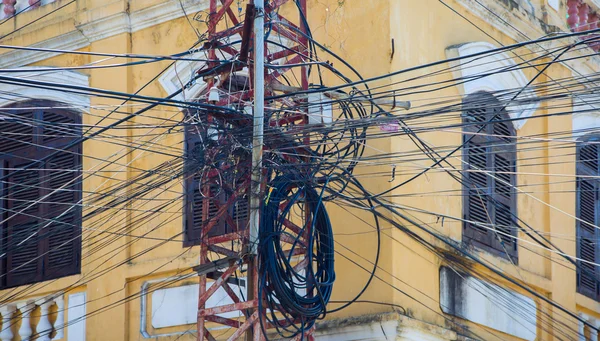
(220, 10)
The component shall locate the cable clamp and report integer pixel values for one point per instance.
(259, 12)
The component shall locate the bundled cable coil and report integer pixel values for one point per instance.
(295, 289)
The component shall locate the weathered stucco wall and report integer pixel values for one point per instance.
(376, 37)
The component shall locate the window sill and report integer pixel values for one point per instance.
(50, 286)
(482, 249)
(586, 303)
(536, 280)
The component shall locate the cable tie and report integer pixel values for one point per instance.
(269, 195)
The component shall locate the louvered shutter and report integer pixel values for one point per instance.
(477, 213)
(205, 199)
(196, 196)
(63, 217)
(20, 242)
(587, 212)
(17, 131)
(193, 197)
(24, 261)
(489, 202)
(504, 200)
(238, 210)
(40, 241)
(196, 204)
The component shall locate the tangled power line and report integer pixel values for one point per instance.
(308, 167)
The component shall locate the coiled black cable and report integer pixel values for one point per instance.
(294, 298)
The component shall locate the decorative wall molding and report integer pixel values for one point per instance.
(74, 40)
(382, 327)
(164, 12)
(10, 93)
(106, 27)
(497, 80)
(522, 26)
(505, 20)
(86, 33)
(181, 72)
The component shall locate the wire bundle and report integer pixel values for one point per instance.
(299, 293)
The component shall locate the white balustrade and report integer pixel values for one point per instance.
(7, 312)
(25, 331)
(593, 331)
(9, 8)
(44, 328)
(12, 312)
(60, 318)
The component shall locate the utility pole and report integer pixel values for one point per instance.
(258, 123)
(229, 214)
(257, 154)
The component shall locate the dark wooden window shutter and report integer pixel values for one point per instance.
(64, 237)
(489, 204)
(218, 194)
(42, 221)
(588, 237)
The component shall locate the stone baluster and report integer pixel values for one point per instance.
(7, 312)
(572, 11)
(584, 10)
(25, 331)
(592, 25)
(44, 328)
(59, 324)
(594, 334)
(9, 7)
(581, 330)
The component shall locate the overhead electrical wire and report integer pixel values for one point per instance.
(324, 165)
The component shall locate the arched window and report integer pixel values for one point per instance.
(489, 205)
(588, 235)
(41, 215)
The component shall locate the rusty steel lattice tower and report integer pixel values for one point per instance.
(225, 213)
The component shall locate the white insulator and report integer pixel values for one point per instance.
(213, 94)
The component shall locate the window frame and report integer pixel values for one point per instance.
(582, 169)
(42, 145)
(218, 191)
(479, 236)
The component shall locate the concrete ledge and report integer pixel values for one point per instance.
(386, 326)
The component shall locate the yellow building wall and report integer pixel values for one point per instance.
(361, 32)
